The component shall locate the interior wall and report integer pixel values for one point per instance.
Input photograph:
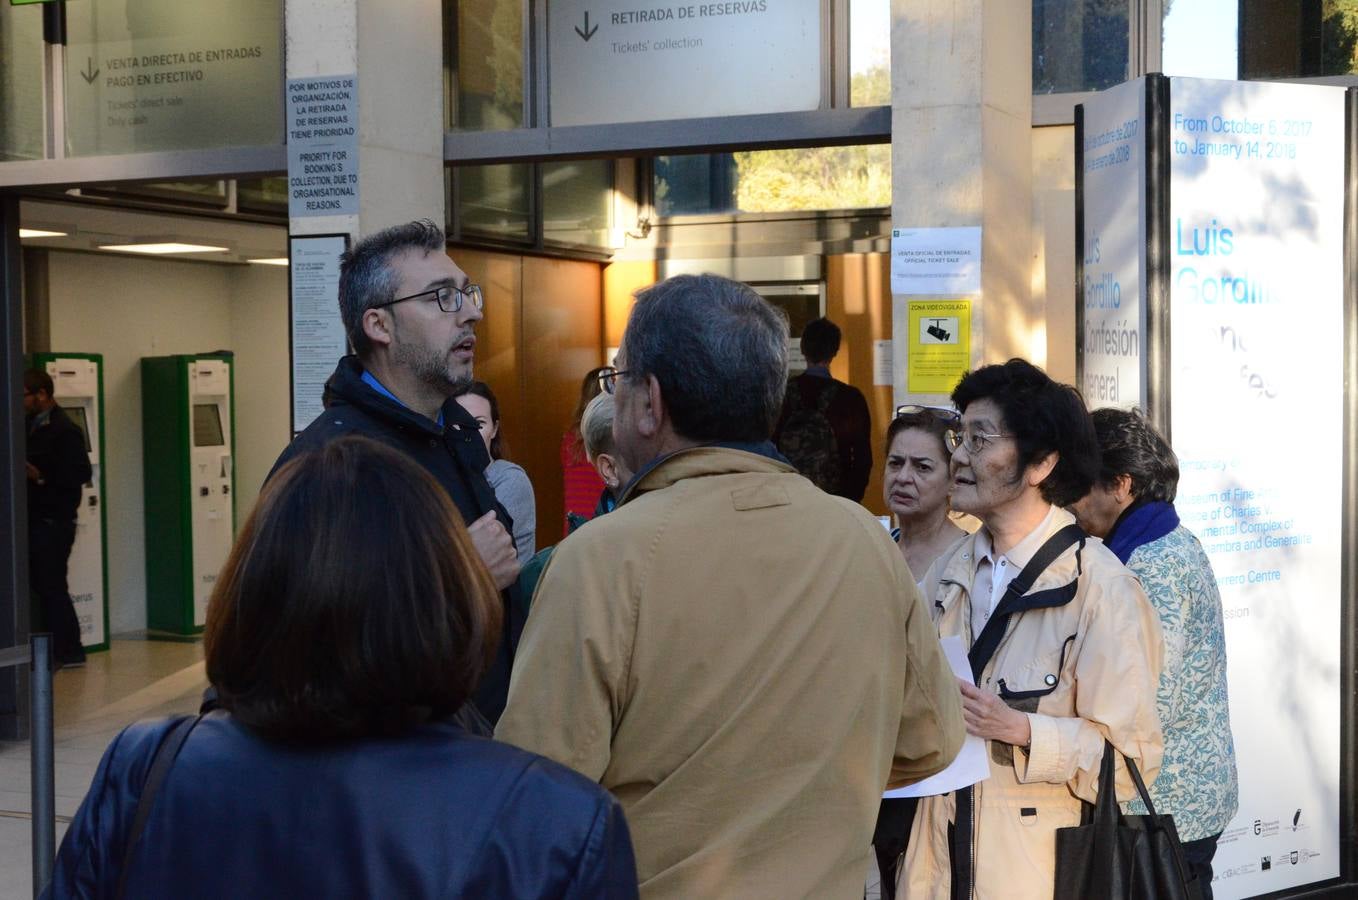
(126, 308)
(542, 332)
(259, 338)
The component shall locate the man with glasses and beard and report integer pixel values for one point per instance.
(741, 658)
(410, 315)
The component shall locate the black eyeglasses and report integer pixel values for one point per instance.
(608, 379)
(943, 414)
(449, 298)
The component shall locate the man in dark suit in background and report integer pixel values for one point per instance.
(58, 466)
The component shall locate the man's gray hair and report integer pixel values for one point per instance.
(596, 426)
(719, 352)
(367, 277)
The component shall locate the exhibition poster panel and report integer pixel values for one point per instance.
(1257, 376)
(1112, 289)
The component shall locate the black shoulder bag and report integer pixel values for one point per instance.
(1120, 857)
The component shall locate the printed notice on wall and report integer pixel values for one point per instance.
(939, 344)
(1257, 323)
(322, 125)
(317, 333)
(883, 363)
(936, 260)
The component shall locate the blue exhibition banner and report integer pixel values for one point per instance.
(1256, 374)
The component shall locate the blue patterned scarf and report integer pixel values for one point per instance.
(1140, 524)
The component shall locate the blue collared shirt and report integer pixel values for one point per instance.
(371, 381)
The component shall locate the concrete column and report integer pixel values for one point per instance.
(961, 151)
(396, 50)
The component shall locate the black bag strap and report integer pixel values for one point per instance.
(989, 641)
(160, 767)
(1106, 808)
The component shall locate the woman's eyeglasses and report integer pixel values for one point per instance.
(943, 414)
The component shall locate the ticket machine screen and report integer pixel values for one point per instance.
(207, 425)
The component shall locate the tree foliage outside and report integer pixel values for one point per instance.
(1339, 37)
(854, 177)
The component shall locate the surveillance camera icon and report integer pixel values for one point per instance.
(936, 332)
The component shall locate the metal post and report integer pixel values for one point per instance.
(42, 764)
(54, 83)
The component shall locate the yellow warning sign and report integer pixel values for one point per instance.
(940, 345)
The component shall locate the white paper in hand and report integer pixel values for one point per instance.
(971, 765)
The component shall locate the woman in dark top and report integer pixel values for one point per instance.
(349, 625)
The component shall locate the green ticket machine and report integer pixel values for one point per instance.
(78, 388)
(188, 443)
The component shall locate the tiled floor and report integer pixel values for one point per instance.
(135, 679)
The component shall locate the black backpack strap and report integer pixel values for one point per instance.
(1014, 600)
(160, 767)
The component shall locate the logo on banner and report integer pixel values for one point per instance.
(1295, 819)
(939, 330)
(1265, 863)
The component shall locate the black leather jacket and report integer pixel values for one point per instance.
(435, 813)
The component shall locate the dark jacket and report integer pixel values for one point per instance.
(455, 455)
(57, 449)
(434, 813)
(847, 412)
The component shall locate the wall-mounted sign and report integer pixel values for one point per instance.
(939, 344)
(615, 61)
(149, 75)
(1112, 190)
(936, 260)
(322, 125)
(1256, 281)
(318, 339)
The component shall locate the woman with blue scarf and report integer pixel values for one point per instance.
(1132, 508)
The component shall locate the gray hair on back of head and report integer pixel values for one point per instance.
(367, 277)
(596, 426)
(719, 352)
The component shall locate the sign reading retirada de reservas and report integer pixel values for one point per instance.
(624, 61)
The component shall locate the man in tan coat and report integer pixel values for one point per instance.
(742, 659)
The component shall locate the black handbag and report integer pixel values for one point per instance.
(1118, 857)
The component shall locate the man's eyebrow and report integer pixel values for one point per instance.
(447, 282)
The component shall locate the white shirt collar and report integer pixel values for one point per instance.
(1020, 553)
